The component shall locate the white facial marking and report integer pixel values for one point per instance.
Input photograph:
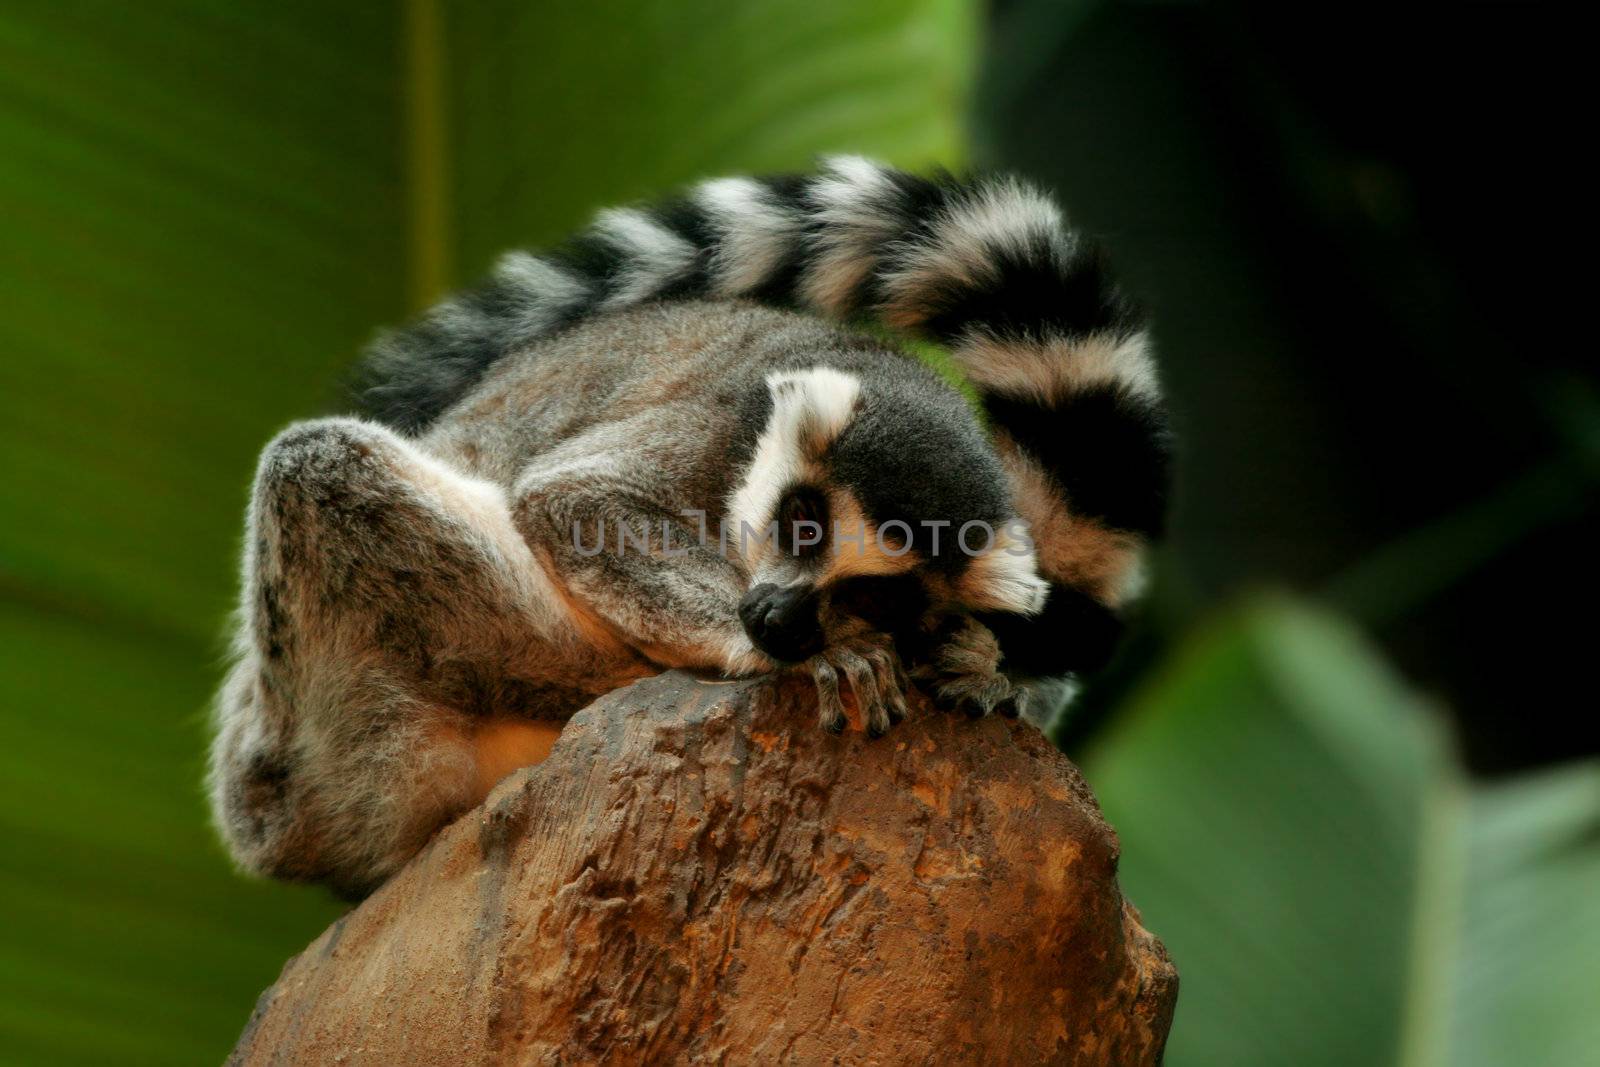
(1006, 577)
(809, 409)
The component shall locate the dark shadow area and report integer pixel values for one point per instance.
(1356, 231)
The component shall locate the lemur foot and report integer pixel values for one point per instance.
(963, 672)
(868, 663)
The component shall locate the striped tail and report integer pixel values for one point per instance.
(986, 267)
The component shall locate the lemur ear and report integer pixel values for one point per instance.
(1004, 576)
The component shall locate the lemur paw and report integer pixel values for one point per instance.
(869, 665)
(963, 673)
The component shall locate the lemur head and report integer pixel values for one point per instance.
(872, 475)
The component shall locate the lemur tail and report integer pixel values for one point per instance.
(987, 267)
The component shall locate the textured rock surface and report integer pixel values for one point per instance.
(699, 874)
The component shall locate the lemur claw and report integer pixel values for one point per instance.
(869, 665)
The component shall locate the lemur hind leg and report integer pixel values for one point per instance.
(388, 606)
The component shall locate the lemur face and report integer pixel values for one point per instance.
(852, 480)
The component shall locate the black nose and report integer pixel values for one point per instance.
(782, 622)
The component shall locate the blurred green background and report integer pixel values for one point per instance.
(1351, 749)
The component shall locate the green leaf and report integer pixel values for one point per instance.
(555, 108)
(209, 208)
(1332, 889)
(1524, 980)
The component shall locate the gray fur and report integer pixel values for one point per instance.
(411, 588)
(400, 593)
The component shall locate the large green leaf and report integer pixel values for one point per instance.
(554, 108)
(1331, 888)
(208, 207)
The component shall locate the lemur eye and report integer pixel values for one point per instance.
(802, 518)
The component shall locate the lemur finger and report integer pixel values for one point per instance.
(976, 695)
(938, 687)
(1013, 705)
(830, 709)
(895, 706)
(892, 683)
(902, 682)
(881, 717)
(996, 692)
(863, 682)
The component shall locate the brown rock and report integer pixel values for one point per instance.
(697, 874)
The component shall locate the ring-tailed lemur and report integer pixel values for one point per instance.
(423, 588)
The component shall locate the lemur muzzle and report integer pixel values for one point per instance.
(782, 621)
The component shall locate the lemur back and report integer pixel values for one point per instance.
(421, 590)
